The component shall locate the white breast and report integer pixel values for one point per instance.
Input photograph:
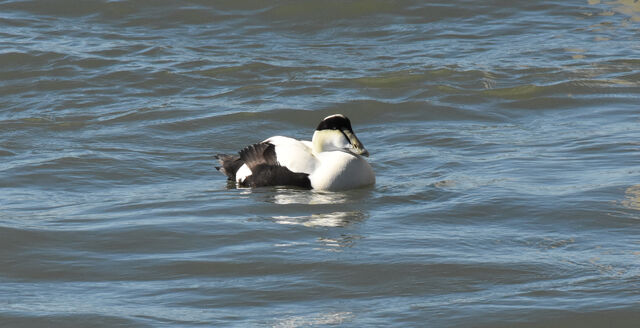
(338, 170)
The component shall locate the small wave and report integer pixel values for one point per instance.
(331, 9)
(16, 60)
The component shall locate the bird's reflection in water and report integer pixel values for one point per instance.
(335, 216)
(316, 209)
(333, 219)
(310, 197)
(338, 244)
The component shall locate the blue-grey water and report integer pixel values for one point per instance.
(505, 136)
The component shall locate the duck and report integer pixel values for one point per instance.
(333, 160)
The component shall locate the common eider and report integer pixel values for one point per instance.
(332, 160)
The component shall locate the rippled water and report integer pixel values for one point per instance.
(504, 134)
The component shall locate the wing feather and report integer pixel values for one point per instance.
(262, 160)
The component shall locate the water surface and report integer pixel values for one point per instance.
(504, 135)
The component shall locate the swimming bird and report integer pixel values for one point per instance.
(332, 160)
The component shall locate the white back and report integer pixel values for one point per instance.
(294, 154)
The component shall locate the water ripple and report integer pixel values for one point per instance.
(504, 141)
